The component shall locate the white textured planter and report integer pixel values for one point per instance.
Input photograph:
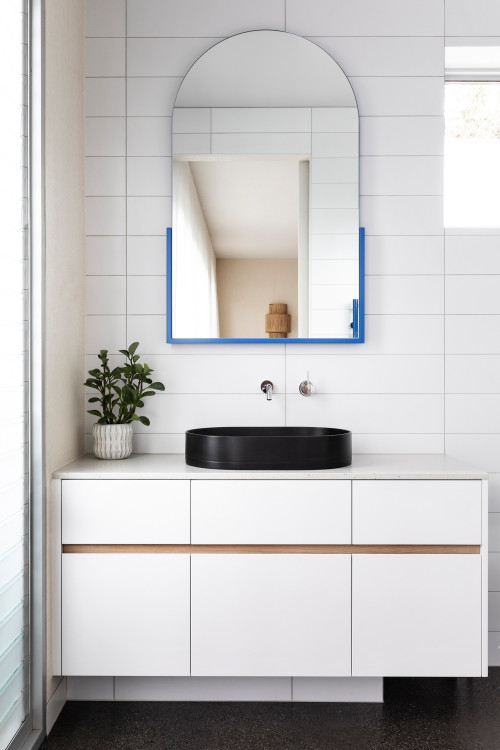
(112, 440)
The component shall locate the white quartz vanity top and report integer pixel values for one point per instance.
(364, 466)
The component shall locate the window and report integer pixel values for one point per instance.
(472, 137)
(14, 449)
(472, 154)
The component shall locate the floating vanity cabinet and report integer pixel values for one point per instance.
(372, 570)
(271, 615)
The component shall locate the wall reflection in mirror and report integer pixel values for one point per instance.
(265, 218)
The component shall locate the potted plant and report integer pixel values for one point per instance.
(121, 393)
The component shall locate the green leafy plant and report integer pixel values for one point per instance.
(122, 389)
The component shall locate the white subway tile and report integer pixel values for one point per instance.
(494, 571)
(368, 413)
(371, 55)
(148, 215)
(335, 145)
(397, 214)
(402, 136)
(261, 143)
(105, 215)
(159, 443)
(494, 493)
(105, 332)
(105, 19)
(402, 175)
(164, 56)
(191, 143)
(482, 451)
(404, 255)
(191, 120)
(203, 689)
(398, 443)
(473, 254)
(104, 57)
(476, 373)
(374, 374)
(334, 272)
(493, 534)
(106, 256)
(190, 18)
(261, 120)
(89, 688)
(334, 170)
(472, 334)
(146, 295)
(335, 120)
(494, 649)
(151, 97)
(105, 136)
(409, 295)
(399, 96)
(105, 175)
(494, 611)
(149, 175)
(105, 295)
(149, 136)
(473, 295)
(146, 256)
(334, 246)
(333, 297)
(359, 18)
(472, 413)
(105, 97)
(481, 18)
(333, 220)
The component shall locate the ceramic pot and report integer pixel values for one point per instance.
(112, 440)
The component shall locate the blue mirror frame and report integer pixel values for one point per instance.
(358, 323)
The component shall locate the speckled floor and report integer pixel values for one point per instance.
(418, 714)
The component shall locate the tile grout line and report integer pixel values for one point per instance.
(126, 175)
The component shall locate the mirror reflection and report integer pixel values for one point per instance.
(265, 222)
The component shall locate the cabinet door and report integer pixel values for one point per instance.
(270, 615)
(125, 614)
(416, 615)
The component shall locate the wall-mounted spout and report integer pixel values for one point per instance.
(267, 387)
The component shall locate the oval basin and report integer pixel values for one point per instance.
(268, 448)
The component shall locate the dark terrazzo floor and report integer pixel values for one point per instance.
(418, 714)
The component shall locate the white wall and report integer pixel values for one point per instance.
(428, 378)
(64, 253)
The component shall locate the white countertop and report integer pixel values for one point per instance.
(364, 466)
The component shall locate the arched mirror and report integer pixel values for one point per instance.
(265, 244)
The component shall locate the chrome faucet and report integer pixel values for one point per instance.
(267, 387)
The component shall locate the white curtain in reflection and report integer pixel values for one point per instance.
(194, 298)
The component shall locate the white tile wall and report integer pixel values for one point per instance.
(427, 378)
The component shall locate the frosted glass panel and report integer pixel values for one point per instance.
(14, 705)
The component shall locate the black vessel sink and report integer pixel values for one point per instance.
(268, 448)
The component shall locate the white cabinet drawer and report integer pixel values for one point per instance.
(416, 615)
(125, 614)
(416, 512)
(270, 615)
(270, 512)
(125, 511)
